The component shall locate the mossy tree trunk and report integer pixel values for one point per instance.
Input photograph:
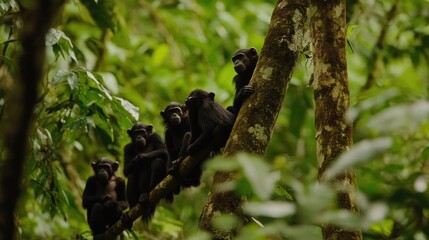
(255, 121)
(331, 94)
(17, 122)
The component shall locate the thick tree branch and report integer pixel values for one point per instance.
(332, 97)
(18, 119)
(255, 121)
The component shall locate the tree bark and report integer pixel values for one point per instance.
(37, 18)
(255, 121)
(331, 94)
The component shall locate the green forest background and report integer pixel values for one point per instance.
(111, 63)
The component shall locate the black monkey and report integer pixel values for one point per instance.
(145, 162)
(104, 196)
(244, 64)
(211, 125)
(177, 129)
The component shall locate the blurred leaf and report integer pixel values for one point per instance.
(259, 175)
(342, 218)
(376, 101)
(406, 116)
(313, 200)
(270, 209)
(225, 222)
(73, 81)
(160, 55)
(376, 212)
(360, 152)
(99, 13)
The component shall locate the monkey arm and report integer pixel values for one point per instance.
(241, 96)
(160, 150)
(89, 197)
(196, 146)
(121, 195)
(128, 160)
(159, 153)
(128, 168)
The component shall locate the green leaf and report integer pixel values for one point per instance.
(73, 81)
(60, 43)
(361, 152)
(274, 209)
(99, 13)
(129, 107)
(400, 118)
(259, 175)
(160, 54)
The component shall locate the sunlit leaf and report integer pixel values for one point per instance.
(259, 175)
(270, 209)
(376, 212)
(226, 222)
(131, 109)
(73, 81)
(313, 200)
(160, 55)
(343, 218)
(99, 13)
(360, 152)
(397, 118)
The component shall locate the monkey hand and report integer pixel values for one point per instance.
(106, 199)
(245, 92)
(175, 166)
(109, 204)
(126, 220)
(141, 156)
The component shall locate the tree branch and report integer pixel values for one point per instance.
(18, 119)
(164, 188)
(255, 122)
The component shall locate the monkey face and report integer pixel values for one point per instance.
(140, 134)
(174, 116)
(241, 62)
(104, 169)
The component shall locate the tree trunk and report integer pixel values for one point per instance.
(37, 18)
(255, 121)
(331, 94)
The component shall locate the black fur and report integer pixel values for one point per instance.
(144, 165)
(244, 65)
(211, 125)
(104, 196)
(177, 129)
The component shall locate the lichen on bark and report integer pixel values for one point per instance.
(331, 94)
(255, 121)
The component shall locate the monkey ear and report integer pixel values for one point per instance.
(115, 166)
(149, 128)
(162, 113)
(253, 51)
(211, 95)
(184, 108)
(94, 165)
(129, 131)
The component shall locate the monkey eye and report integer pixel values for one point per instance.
(140, 131)
(175, 110)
